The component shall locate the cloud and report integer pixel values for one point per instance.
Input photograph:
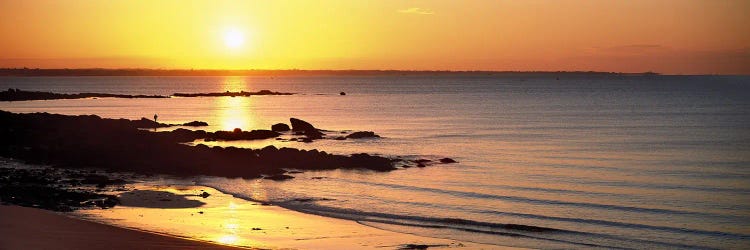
(418, 11)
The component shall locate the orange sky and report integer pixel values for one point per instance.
(667, 36)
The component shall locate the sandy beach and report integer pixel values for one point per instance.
(30, 228)
(177, 217)
(224, 219)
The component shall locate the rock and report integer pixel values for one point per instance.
(314, 134)
(414, 247)
(204, 195)
(309, 130)
(447, 160)
(420, 165)
(280, 127)
(195, 124)
(118, 145)
(300, 125)
(279, 177)
(342, 93)
(238, 134)
(376, 163)
(362, 134)
(340, 138)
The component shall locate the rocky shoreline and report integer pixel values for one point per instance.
(89, 141)
(74, 145)
(56, 189)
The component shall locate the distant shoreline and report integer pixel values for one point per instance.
(286, 72)
(12, 95)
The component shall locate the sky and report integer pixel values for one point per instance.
(665, 36)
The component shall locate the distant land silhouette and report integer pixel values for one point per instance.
(286, 72)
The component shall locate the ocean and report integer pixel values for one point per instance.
(607, 161)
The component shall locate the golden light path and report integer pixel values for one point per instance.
(235, 112)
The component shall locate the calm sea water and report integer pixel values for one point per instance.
(610, 161)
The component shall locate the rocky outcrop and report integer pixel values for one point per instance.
(238, 134)
(280, 127)
(195, 124)
(118, 145)
(51, 189)
(305, 128)
(21, 95)
(362, 134)
(279, 177)
(300, 125)
(232, 94)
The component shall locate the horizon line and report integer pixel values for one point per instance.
(97, 71)
(101, 70)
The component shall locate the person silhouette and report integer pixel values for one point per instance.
(155, 117)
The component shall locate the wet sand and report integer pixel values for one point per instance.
(224, 219)
(30, 228)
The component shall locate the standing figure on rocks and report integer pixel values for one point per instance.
(155, 116)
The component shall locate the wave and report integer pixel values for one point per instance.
(549, 234)
(578, 238)
(464, 194)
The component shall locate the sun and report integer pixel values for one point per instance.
(234, 38)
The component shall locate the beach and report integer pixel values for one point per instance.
(31, 228)
(174, 217)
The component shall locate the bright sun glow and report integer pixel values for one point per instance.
(234, 38)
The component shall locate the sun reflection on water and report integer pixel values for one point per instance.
(235, 112)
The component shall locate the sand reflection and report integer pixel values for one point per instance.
(232, 221)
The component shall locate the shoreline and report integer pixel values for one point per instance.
(177, 207)
(34, 228)
(226, 219)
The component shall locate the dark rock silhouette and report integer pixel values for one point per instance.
(232, 94)
(279, 177)
(300, 125)
(306, 128)
(447, 160)
(362, 134)
(195, 124)
(20, 95)
(119, 145)
(44, 188)
(146, 123)
(280, 127)
(342, 93)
